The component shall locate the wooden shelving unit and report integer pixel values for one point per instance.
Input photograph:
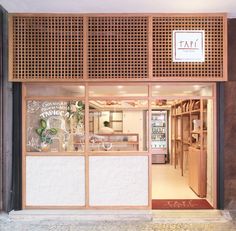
(189, 134)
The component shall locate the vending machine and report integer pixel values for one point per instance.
(159, 142)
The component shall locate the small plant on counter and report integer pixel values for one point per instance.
(44, 133)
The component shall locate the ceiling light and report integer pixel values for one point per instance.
(196, 87)
(81, 87)
(120, 87)
(157, 86)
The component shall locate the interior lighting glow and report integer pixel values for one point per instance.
(155, 92)
(187, 92)
(122, 92)
(196, 87)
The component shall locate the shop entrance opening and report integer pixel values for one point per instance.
(182, 135)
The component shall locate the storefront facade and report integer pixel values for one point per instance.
(69, 64)
(93, 169)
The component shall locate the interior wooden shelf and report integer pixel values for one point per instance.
(195, 111)
(186, 113)
(187, 129)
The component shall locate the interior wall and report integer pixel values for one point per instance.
(104, 117)
(133, 123)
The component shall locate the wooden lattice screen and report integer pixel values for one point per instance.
(118, 47)
(45, 48)
(134, 47)
(162, 47)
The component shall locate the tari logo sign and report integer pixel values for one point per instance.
(188, 46)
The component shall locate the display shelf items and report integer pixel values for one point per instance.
(159, 142)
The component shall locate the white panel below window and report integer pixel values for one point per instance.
(118, 180)
(55, 181)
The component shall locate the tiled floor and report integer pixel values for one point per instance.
(167, 183)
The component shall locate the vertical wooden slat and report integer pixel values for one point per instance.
(85, 48)
(182, 144)
(150, 47)
(149, 146)
(216, 168)
(225, 47)
(86, 146)
(10, 47)
(202, 166)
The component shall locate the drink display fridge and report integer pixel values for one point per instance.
(159, 141)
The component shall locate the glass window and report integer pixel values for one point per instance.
(119, 90)
(55, 90)
(180, 90)
(55, 126)
(118, 125)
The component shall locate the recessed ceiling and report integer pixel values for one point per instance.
(158, 90)
(122, 6)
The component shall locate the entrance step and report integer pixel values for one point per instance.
(81, 215)
(157, 216)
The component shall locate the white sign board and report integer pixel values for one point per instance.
(188, 46)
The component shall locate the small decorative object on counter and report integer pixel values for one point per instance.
(107, 146)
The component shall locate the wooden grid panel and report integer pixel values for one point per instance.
(162, 47)
(46, 48)
(117, 47)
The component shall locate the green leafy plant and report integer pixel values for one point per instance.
(44, 133)
(75, 110)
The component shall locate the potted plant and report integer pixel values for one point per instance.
(45, 134)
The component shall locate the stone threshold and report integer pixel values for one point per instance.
(82, 215)
(156, 216)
